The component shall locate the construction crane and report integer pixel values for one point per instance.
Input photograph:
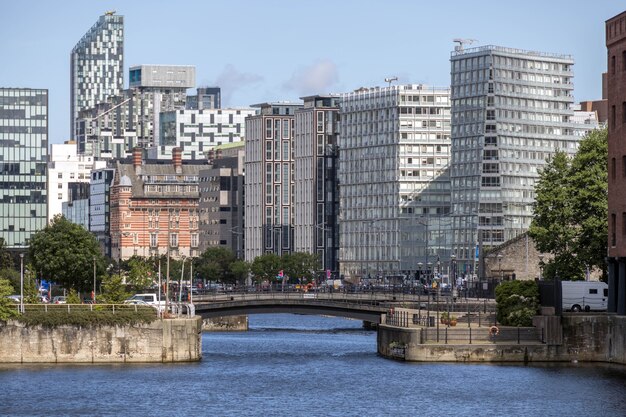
(461, 43)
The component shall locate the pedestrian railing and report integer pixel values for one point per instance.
(75, 308)
(492, 334)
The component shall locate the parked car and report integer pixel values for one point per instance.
(15, 298)
(59, 299)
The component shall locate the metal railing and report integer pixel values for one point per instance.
(495, 335)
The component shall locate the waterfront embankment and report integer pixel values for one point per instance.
(163, 340)
(571, 337)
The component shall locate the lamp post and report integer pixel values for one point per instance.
(540, 266)
(94, 279)
(180, 284)
(22, 283)
(500, 265)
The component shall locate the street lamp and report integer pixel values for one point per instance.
(22, 283)
(453, 264)
(94, 279)
(180, 285)
(500, 265)
(540, 266)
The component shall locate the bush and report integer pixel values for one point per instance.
(83, 316)
(517, 302)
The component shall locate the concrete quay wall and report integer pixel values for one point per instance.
(225, 324)
(167, 340)
(585, 338)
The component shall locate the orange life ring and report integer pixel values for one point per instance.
(494, 331)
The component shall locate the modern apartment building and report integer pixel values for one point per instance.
(511, 110)
(23, 157)
(221, 199)
(115, 126)
(97, 66)
(154, 207)
(100, 207)
(65, 168)
(616, 95)
(198, 131)
(316, 190)
(206, 98)
(269, 184)
(393, 171)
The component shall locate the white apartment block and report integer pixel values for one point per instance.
(394, 159)
(511, 110)
(66, 167)
(198, 131)
(269, 170)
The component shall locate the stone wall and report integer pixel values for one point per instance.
(225, 324)
(169, 340)
(585, 338)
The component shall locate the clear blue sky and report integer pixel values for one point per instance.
(267, 50)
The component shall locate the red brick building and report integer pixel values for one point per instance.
(616, 96)
(154, 206)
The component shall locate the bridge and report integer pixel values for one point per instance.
(361, 306)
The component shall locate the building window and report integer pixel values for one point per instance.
(174, 240)
(154, 240)
(623, 111)
(613, 117)
(613, 228)
(613, 168)
(623, 224)
(194, 240)
(613, 64)
(60, 175)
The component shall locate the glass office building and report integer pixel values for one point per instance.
(23, 158)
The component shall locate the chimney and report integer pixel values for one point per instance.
(177, 160)
(211, 156)
(137, 160)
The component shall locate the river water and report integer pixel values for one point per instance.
(293, 365)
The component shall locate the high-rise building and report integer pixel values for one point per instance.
(198, 131)
(66, 168)
(23, 159)
(616, 97)
(115, 126)
(269, 189)
(393, 172)
(97, 66)
(316, 190)
(511, 110)
(100, 208)
(206, 98)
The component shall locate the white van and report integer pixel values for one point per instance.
(585, 295)
(150, 299)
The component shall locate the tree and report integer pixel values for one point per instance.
(7, 306)
(300, 265)
(113, 290)
(64, 252)
(570, 210)
(517, 302)
(266, 267)
(141, 273)
(6, 262)
(215, 264)
(240, 269)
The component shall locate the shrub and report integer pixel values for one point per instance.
(517, 302)
(83, 316)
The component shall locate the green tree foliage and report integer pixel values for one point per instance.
(570, 210)
(113, 290)
(141, 273)
(300, 266)
(215, 265)
(266, 267)
(240, 270)
(12, 276)
(6, 262)
(63, 252)
(517, 302)
(7, 306)
(72, 297)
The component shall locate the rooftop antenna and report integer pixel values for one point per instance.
(461, 43)
(390, 80)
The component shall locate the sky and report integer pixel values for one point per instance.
(270, 50)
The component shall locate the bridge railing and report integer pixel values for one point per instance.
(506, 335)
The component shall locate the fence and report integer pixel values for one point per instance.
(76, 308)
(510, 335)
